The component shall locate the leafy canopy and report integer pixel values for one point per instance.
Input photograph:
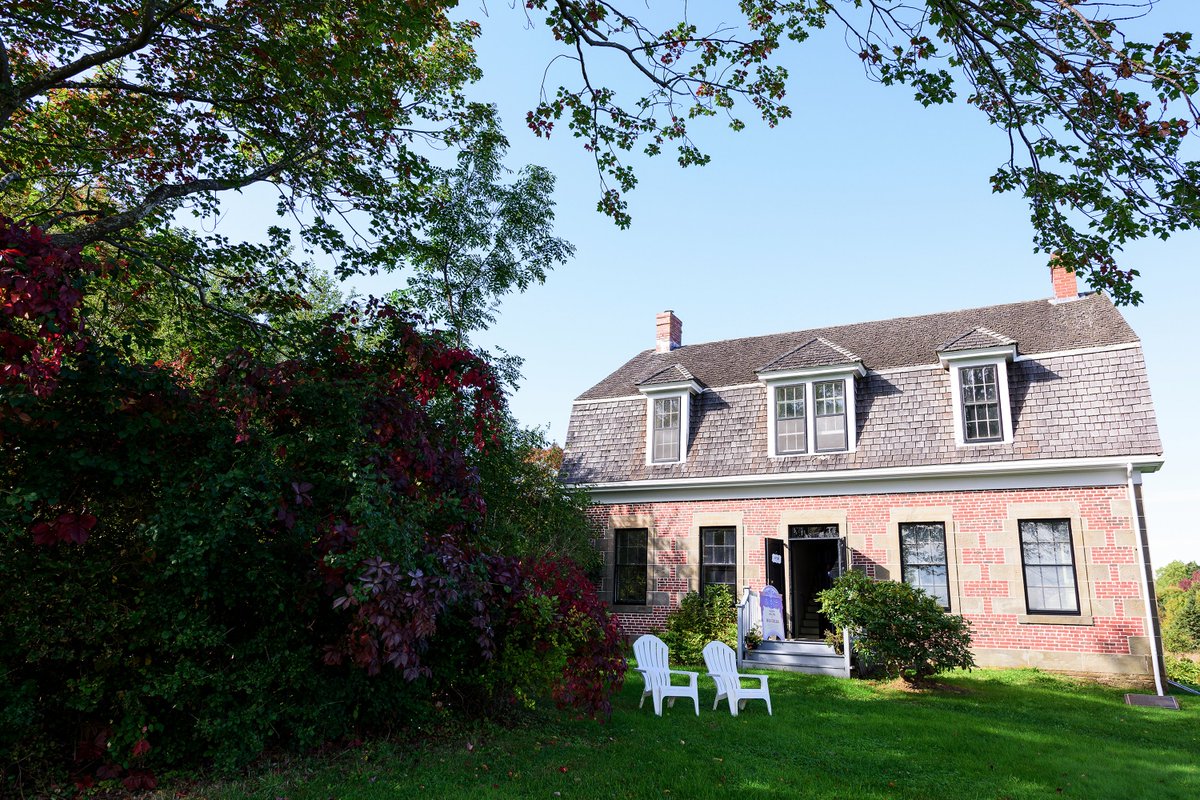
(113, 117)
(1095, 120)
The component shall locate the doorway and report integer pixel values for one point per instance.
(814, 564)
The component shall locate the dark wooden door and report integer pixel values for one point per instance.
(775, 573)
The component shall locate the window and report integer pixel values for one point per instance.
(829, 406)
(629, 572)
(718, 558)
(666, 429)
(790, 421)
(980, 389)
(1048, 560)
(813, 532)
(923, 559)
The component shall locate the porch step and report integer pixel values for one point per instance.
(811, 657)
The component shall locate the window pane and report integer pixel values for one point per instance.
(666, 429)
(629, 573)
(829, 397)
(923, 558)
(790, 436)
(1049, 566)
(831, 433)
(789, 402)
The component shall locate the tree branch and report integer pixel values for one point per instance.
(157, 197)
(150, 25)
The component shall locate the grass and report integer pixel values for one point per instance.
(989, 734)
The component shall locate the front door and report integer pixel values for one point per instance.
(775, 572)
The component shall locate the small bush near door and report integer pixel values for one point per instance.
(699, 620)
(898, 630)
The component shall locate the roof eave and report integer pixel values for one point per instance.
(802, 373)
(1006, 351)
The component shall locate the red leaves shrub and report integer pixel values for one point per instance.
(67, 528)
(527, 630)
(237, 549)
(41, 287)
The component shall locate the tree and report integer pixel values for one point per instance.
(482, 239)
(113, 116)
(1169, 575)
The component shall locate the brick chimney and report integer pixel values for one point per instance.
(1066, 285)
(668, 332)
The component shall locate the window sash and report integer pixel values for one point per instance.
(829, 407)
(791, 434)
(1048, 565)
(923, 562)
(665, 439)
(630, 584)
(718, 558)
(980, 390)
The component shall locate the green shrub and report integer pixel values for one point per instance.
(898, 631)
(700, 619)
(1183, 670)
(1181, 631)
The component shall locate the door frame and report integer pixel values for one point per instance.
(843, 555)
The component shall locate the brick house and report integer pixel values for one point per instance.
(991, 456)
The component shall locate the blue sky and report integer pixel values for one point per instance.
(863, 206)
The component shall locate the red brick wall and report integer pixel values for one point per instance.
(990, 588)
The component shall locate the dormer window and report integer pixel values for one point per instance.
(978, 365)
(665, 436)
(669, 391)
(811, 399)
(980, 390)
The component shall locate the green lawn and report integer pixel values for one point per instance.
(999, 734)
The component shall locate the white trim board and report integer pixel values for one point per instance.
(1039, 474)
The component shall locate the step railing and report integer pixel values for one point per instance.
(748, 616)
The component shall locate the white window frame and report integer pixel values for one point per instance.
(806, 378)
(684, 391)
(998, 357)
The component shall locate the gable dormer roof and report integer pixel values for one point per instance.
(816, 352)
(978, 338)
(673, 373)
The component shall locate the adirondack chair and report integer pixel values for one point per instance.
(722, 668)
(651, 654)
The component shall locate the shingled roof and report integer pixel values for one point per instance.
(1038, 325)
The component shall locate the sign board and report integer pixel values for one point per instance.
(1165, 701)
(771, 605)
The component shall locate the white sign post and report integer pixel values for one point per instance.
(771, 605)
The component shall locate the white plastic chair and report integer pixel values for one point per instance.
(651, 654)
(722, 668)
